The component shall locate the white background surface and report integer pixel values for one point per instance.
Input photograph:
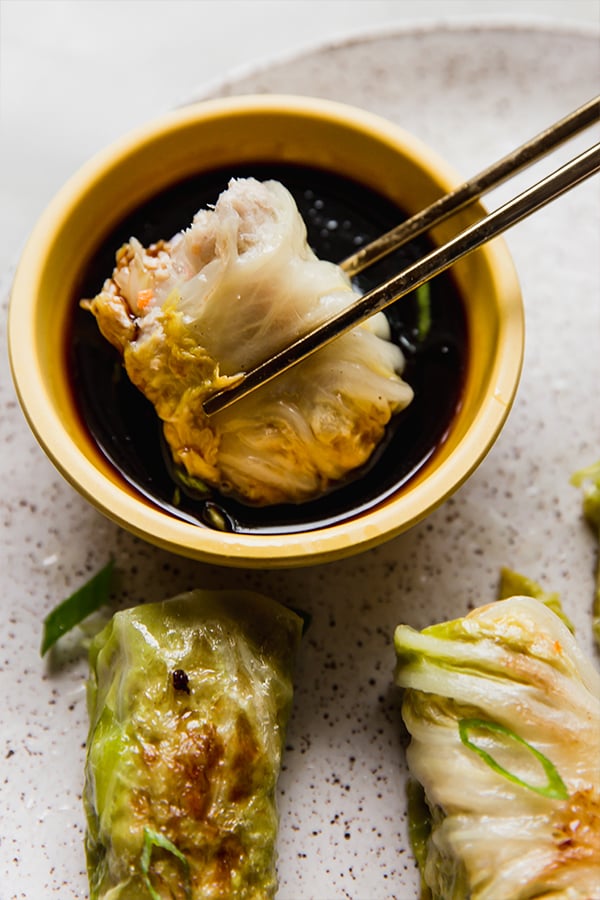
(75, 76)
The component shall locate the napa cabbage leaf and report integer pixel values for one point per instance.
(188, 702)
(503, 712)
(188, 315)
(588, 480)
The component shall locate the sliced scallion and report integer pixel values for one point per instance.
(86, 600)
(555, 787)
(156, 839)
(423, 297)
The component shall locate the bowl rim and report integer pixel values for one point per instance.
(136, 514)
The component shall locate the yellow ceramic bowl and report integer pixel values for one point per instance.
(229, 132)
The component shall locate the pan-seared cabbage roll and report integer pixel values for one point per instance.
(189, 314)
(503, 712)
(188, 702)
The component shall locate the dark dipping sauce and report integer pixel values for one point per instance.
(340, 216)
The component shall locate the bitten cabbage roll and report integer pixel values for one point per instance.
(188, 703)
(503, 712)
(189, 314)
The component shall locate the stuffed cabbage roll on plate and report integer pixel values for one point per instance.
(190, 313)
(503, 712)
(588, 480)
(188, 702)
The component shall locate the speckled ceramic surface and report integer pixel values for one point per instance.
(473, 95)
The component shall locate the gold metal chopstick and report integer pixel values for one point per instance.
(435, 262)
(525, 155)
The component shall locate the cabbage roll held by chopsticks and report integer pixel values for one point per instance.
(188, 703)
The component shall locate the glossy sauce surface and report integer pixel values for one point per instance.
(341, 216)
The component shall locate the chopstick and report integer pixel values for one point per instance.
(529, 201)
(525, 155)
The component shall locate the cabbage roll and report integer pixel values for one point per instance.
(503, 712)
(191, 313)
(589, 480)
(188, 702)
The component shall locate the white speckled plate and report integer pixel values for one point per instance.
(473, 94)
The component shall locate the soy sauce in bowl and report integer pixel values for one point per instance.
(340, 216)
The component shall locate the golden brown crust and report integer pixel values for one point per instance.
(577, 830)
(184, 788)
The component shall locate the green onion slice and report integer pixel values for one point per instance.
(191, 483)
(589, 480)
(86, 600)
(555, 787)
(423, 295)
(156, 839)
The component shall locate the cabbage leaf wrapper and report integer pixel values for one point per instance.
(188, 702)
(188, 315)
(588, 480)
(503, 712)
